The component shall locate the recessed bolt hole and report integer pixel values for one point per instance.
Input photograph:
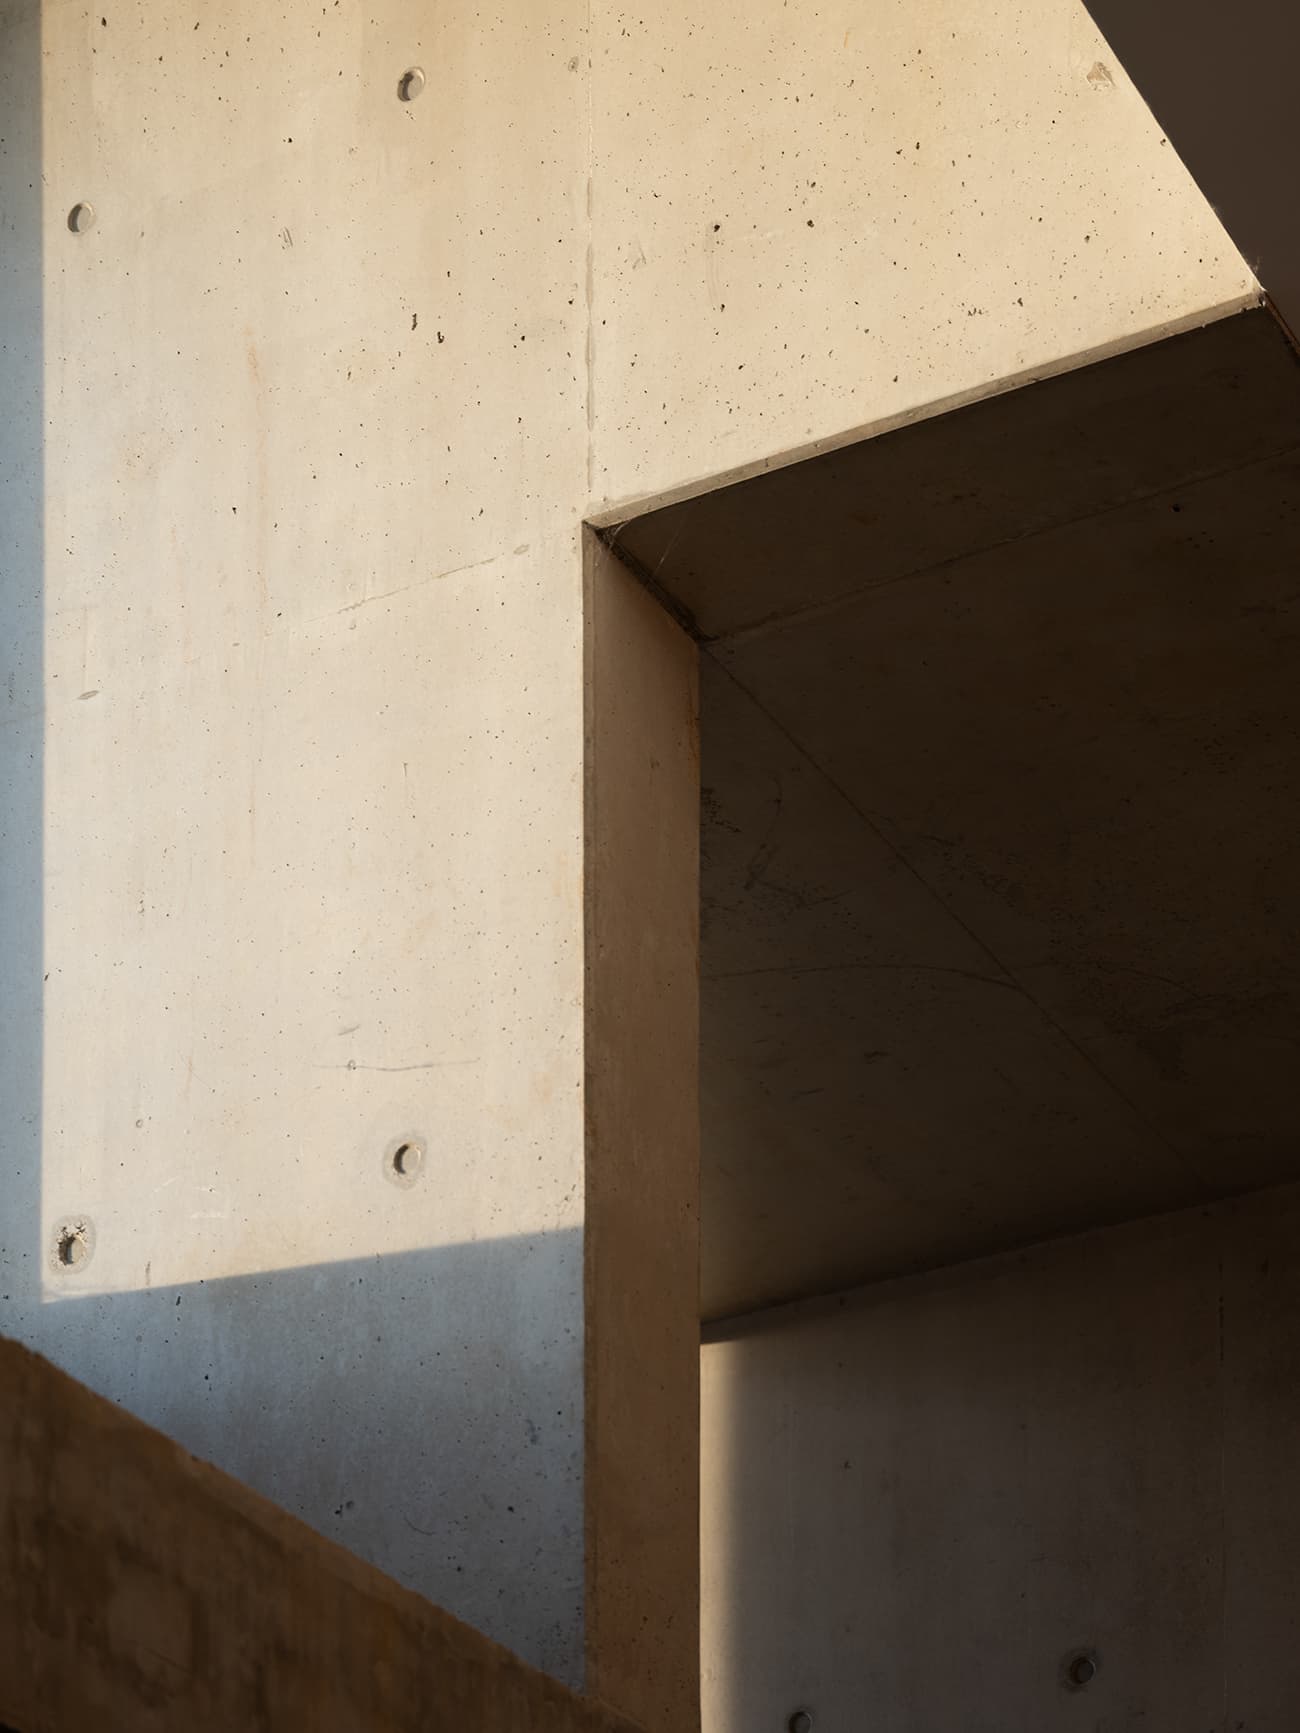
(410, 84)
(800, 1722)
(404, 1160)
(80, 218)
(73, 1244)
(72, 1249)
(1080, 1669)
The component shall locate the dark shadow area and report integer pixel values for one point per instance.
(1001, 767)
(22, 686)
(421, 1409)
(1000, 722)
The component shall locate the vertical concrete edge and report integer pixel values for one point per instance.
(641, 1250)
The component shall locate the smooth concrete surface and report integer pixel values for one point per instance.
(643, 1151)
(294, 729)
(1001, 749)
(141, 1589)
(923, 1500)
(300, 433)
(1222, 84)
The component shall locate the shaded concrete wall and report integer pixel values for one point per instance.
(303, 430)
(142, 1589)
(999, 818)
(920, 1500)
(643, 1147)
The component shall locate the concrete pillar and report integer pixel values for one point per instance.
(643, 1136)
(324, 330)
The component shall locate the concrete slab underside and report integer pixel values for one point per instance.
(1000, 730)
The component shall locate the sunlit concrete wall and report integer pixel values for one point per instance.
(810, 220)
(1222, 85)
(303, 419)
(305, 477)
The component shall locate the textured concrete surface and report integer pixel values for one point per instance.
(299, 439)
(294, 733)
(1222, 86)
(142, 1589)
(811, 220)
(1001, 758)
(922, 1499)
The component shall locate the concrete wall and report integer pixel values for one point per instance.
(141, 1589)
(811, 221)
(299, 722)
(922, 1499)
(300, 438)
(1221, 84)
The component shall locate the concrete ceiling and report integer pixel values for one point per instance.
(1001, 746)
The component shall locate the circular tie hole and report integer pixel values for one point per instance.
(72, 1250)
(800, 1722)
(80, 218)
(410, 84)
(1081, 1669)
(404, 1160)
(72, 1245)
